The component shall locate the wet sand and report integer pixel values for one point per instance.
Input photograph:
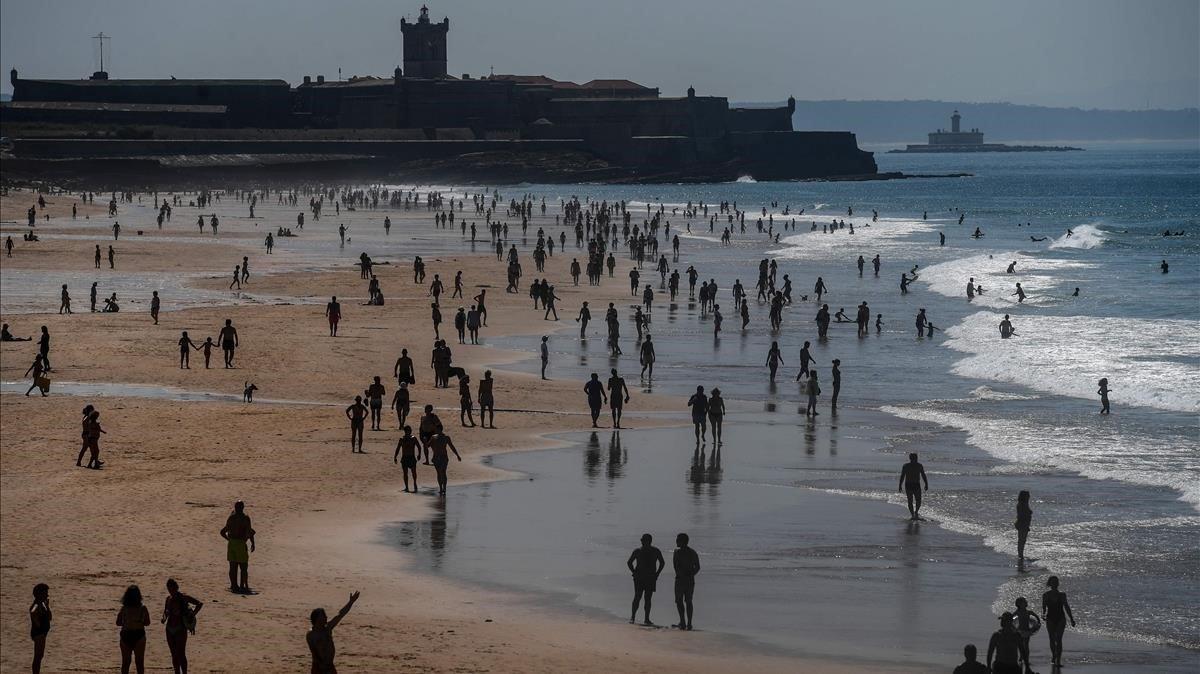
(174, 467)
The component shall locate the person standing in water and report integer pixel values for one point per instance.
(645, 563)
(813, 389)
(687, 565)
(320, 637)
(39, 623)
(1024, 520)
(544, 348)
(585, 315)
(837, 384)
(1056, 610)
(911, 476)
(647, 357)
(1103, 393)
(595, 397)
(179, 618)
(237, 532)
(1006, 328)
(440, 459)
(699, 404)
(774, 359)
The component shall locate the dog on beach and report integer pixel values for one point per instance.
(248, 392)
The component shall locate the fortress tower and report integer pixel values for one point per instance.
(955, 122)
(425, 46)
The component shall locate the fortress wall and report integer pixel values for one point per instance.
(747, 120)
(249, 104)
(800, 154)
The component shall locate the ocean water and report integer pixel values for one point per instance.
(1115, 498)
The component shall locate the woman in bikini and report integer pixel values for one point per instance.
(133, 619)
(179, 616)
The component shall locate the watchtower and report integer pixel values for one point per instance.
(955, 121)
(425, 46)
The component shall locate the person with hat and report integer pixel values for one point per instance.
(1006, 650)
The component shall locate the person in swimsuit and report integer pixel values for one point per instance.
(645, 563)
(487, 401)
(716, 414)
(596, 397)
(1055, 612)
(133, 617)
(813, 388)
(911, 476)
(774, 359)
(155, 305)
(618, 395)
(1007, 647)
(647, 357)
(186, 345)
(237, 532)
(357, 414)
(333, 310)
(687, 565)
(439, 444)
(407, 448)
(465, 404)
(404, 370)
(229, 341)
(1024, 520)
(699, 404)
(38, 371)
(545, 352)
(39, 623)
(179, 617)
(320, 637)
(430, 425)
(375, 393)
(401, 401)
(1103, 393)
(91, 438)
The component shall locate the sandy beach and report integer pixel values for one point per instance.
(174, 467)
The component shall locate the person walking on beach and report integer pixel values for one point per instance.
(618, 395)
(92, 295)
(699, 404)
(186, 345)
(237, 532)
(357, 414)
(544, 349)
(237, 277)
(401, 402)
(1103, 393)
(429, 426)
(1007, 647)
(155, 305)
(407, 448)
(436, 317)
(375, 393)
(97, 258)
(39, 623)
(65, 303)
(38, 370)
(440, 459)
(487, 401)
(229, 341)
(133, 618)
(91, 438)
(333, 311)
(645, 563)
(585, 315)
(1056, 610)
(112, 254)
(774, 359)
(320, 637)
(179, 617)
(805, 359)
(647, 357)
(716, 415)
(404, 370)
(466, 404)
(911, 477)
(1024, 520)
(687, 565)
(595, 397)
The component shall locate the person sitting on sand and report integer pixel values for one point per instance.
(6, 336)
(320, 637)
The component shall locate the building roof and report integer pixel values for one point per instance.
(614, 84)
(111, 107)
(537, 80)
(159, 83)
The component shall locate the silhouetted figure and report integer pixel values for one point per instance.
(1024, 520)
(487, 401)
(716, 415)
(911, 477)
(687, 565)
(375, 393)
(133, 618)
(1006, 650)
(38, 371)
(229, 341)
(1103, 393)
(1027, 623)
(320, 637)
(179, 618)
(186, 345)
(333, 311)
(971, 664)
(544, 350)
(1164, 267)
(6, 336)
(647, 357)
(618, 395)
(357, 414)
(836, 373)
(438, 445)
(645, 563)
(1056, 610)
(237, 532)
(699, 404)
(155, 305)
(407, 448)
(596, 397)
(39, 623)
(813, 388)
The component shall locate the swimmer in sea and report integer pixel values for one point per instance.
(1103, 393)
(1020, 293)
(1006, 328)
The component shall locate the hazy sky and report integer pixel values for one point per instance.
(1087, 53)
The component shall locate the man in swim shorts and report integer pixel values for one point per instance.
(645, 563)
(237, 532)
(911, 476)
(406, 453)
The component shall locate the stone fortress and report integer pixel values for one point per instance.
(422, 112)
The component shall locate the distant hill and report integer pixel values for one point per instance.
(909, 121)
